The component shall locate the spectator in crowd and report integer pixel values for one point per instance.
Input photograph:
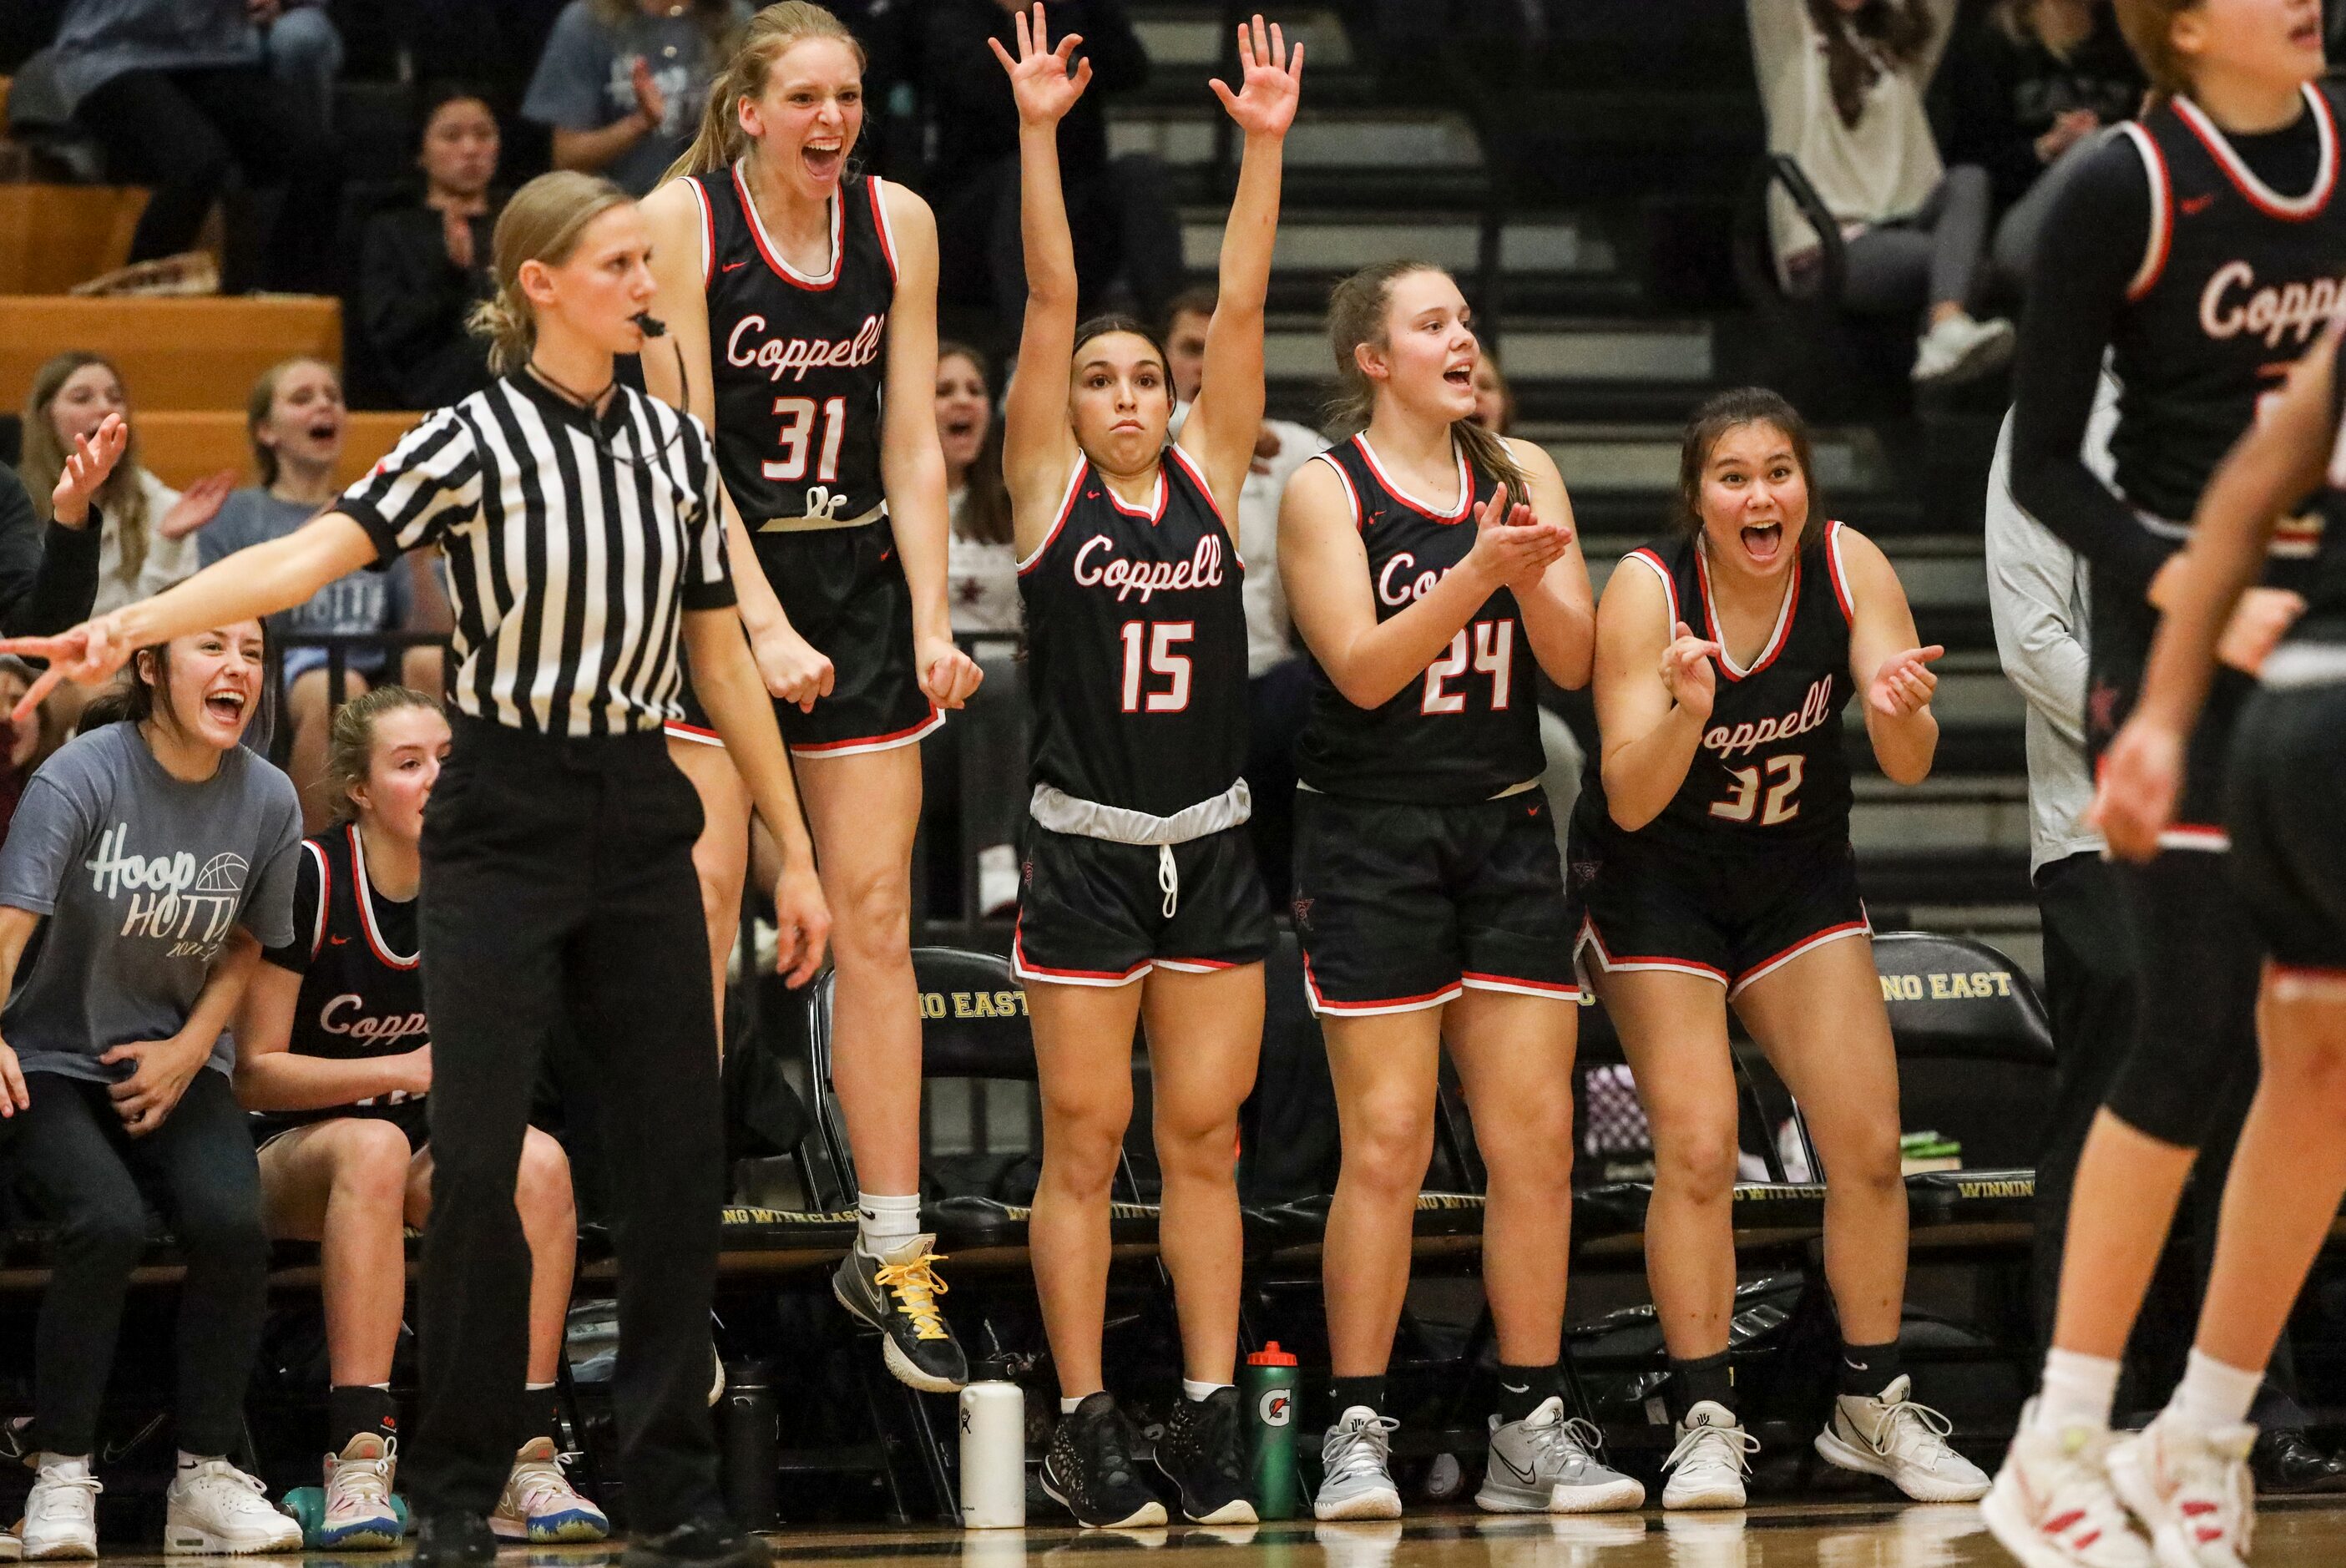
(982, 582)
(23, 747)
(48, 574)
(1279, 681)
(182, 92)
(295, 420)
(115, 1077)
(1126, 227)
(424, 268)
(2032, 81)
(1841, 82)
(334, 1046)
(622, 83)
(145, 545)
(1494, 400)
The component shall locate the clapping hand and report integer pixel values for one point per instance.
(650, 102)
(1903, 684)
(1040, 80)
(86, 469)
(1270, 82)
(1514, 543)
(198, 505)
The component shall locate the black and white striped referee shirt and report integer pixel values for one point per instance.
(574, 544)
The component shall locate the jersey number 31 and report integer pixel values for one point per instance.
(795, 435)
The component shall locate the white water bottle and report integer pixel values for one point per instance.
(993, 1457)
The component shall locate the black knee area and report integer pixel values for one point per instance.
(2198, 966)
(103, 1241)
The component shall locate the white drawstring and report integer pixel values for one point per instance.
(1168, 877)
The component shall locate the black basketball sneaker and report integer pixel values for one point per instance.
(896, 1295)
(1090, 1473)
(1198, 1453)
(699, 1543)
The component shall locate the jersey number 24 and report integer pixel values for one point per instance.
(1493, 654)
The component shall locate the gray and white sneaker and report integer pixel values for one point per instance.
(1962, 348)
(1708, 1466)
(1904, 1442)
(1355, 1481)
(1546, 1464)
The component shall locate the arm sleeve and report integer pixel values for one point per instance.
(567, 90)
(1779, 37)
(708, 584)
(2032, 590)
(429, 483)
(309, 912)
(45, 836)
(2091, 248)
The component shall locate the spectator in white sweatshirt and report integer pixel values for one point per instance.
(1841, 82)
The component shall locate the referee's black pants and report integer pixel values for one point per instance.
(558, 889)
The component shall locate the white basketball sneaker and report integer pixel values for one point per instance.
(215, 1509)
(2051, 1505)
(1707, 1468)
(2192, 1489)
(1355, 1482)
(1905, 1443)
(61, 1514)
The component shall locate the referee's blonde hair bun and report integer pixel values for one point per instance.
(541, 223)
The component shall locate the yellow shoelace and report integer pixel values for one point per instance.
(917, 1287)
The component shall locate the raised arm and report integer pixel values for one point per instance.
(2272, 468)
(1654, 687)
(911, 460)
(1889, 669)
(1559, 608)
(1226, 420)
(1037, 446)
(1326, 570)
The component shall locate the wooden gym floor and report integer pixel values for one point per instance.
(2302, 1533)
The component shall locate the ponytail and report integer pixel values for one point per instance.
(771, 33)
(1356, 315)
(2149, 29)
(541, 223)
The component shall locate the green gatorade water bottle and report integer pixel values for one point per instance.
(1267, 1384)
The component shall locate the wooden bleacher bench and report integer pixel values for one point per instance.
(174, 353)
(182, 445)
(53, 237)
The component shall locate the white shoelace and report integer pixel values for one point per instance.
(363, 1481)
(1360, 1450)
(234, 1490)
(1734, 1440)
(538, 1481)
(61, 1496)
(1928, 1432)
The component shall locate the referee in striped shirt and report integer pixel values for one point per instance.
(581, 526)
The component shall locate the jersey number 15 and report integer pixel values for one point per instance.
(1156, 639)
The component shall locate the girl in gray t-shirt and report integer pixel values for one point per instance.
(156, 856)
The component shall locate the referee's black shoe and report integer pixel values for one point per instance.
(699, 1543)
(1198, 1452)
(897, 1294)
(1090, 1471)
(454, 1541)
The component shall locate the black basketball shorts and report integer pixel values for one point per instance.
(1401, 906)
(2287, 813)
(1733, 919)
(845, 591)
(1092, 911)
(412, 1117)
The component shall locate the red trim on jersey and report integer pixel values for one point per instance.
(677, 729)
(905, 735)
(325, 892)
(364, 892)
(1776, 639)
(1066, 505)
(1633, 963)
(2260, 196)
(880, 221)
(774, 262)
(1767, 966)
(1360, 515)
(1195, 965)
(1154, 511)
(708, 232)
(1204, 489)
(1022, 965)
(1457, 513)
(1839, 578)
(2161, 237)
(1669, 583)
(2198, 837)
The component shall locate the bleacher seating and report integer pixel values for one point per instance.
(174, 353)
(53, 237)
(183, 444)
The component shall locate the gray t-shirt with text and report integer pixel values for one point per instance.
(142, 877)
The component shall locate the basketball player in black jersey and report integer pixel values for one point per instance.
(2203, 249)
(1432, 574)
(1712, 846)
(2286, 811)
(1140, 899)
(333, 1048)
(801, 292)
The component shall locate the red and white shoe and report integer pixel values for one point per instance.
(2051, 1505)
(2192, 1490)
